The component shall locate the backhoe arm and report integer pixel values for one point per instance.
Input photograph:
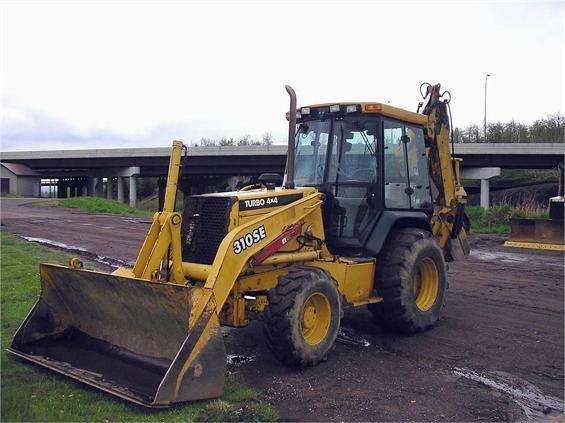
(449, 195)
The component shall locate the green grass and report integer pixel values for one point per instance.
(29, 393)
(495, 220)
(101, 205)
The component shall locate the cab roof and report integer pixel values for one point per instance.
(380, 109)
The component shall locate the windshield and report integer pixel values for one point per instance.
(352, 156)
(311, 147)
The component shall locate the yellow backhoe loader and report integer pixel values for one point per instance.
(370, 209)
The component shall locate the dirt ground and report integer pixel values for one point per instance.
(497, 353)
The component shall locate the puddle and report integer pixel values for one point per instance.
(108, 261)
(239, 359)
(55, 244)
(350, 337)
(535, 404)
(509, 257)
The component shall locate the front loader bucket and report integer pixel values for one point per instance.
(126, 336)
(537, 233)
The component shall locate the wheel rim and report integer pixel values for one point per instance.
(315, 318)
(426, 284)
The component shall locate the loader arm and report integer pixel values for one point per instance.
(228, 265)
(162, 243)
(449, 201)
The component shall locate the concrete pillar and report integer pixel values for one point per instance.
(99, 191)
(483, 174)
(133, 191)
(91, 187)
(109, 189)
(485, 187)
(121, 189)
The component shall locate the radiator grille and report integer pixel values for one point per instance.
(204, 225)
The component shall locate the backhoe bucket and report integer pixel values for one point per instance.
(545, 234)
(126, 336)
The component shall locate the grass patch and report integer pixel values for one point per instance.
(496, 220)
(29, 393)
(101, 205)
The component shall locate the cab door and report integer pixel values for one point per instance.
(352, 181)
(406, 174)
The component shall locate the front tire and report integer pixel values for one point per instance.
(303, 316)
(411, 277)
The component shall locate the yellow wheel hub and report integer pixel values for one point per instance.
(426, 284)
(315, 318)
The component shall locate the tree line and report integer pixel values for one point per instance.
(265, 139)
(548, 129)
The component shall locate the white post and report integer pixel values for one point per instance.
(132, 191)
(121, 189)
(485, 186)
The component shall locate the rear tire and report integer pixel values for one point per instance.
(411, 278)
(303, 316)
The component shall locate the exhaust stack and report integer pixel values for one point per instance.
(291, 135)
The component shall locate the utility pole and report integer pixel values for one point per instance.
(485, 122)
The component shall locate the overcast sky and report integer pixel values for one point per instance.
(107, 75)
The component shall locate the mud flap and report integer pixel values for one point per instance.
(128, 337)
(537, 233)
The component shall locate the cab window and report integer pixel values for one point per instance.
(354, 157)
(311, 146)
(395, 175)
(407, 183)
(420, 197)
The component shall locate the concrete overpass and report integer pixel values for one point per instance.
(84, 168)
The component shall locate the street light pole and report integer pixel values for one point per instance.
(485, 122)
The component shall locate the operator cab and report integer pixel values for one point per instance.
(366, 158)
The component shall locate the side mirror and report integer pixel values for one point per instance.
(270, 180)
